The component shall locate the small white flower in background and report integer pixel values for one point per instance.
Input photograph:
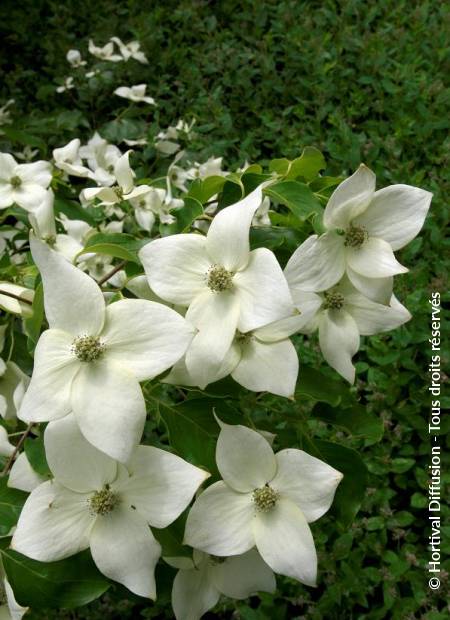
(202, 580)
(93, 356)
(96, 502)
(67, 85)
(104, 53)
(27, 154)
(164, 146)
(23, 477)
(101, 158)
(6, 447)
(134, 93)
(364, 228)
(91, 74)
(341, 315)
(264, 500)
(123, 190)
(154, 202)
(211, 167)
(226, 286)
(130, 50)
(13, 384)
(15, 306)
(74, 58)
(137, 142)
(9, 607)
(23, 184)
(5, 114)
(68, 158)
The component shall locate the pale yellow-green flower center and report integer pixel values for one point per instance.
(88, 348)
(104, 501)
(16, 182)
(333, 300)
(355, 236)
(219, 279)
(265, 498)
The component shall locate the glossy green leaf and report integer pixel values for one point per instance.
(119, 245)
(11, 503)
(35, 451)
(357, 420)
(295, 196)
(308, 165)
(185, 216)
(316, 385)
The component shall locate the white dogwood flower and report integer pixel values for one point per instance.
(23, 477)
(68, 158)
(341, 315)
(96, 502)
(23, 184)
(226, 286)
(67, 85)
(104, 53)
(124, 189)
(364, 228)
(93, 356)
(101, 158)
(6, 447)
(155, 202)
(73, 57)
(202, 580)
(135, 93)
(130, 50)
(264, 500)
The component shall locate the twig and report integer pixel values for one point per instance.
(12, 458)
(111, 273)
(14, 296)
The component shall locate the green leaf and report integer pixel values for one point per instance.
(308, 165)
(204, 190)
(316, 385)
(352, 488)
(119, 245)
(297, 197)
(68, 583)
(171, 538)
(11, 503)
(73, 210)
(191, 210)
(35, 451)
(280, 166)
(357, 420)
(17, 135)
(34, 323)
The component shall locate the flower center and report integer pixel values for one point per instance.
(16, 181)
(265, 498)
(243, 339)
(219, 279)
(355, 236)
(215, 560)
(118, 192)
(333, 300)
(103, 502)
(88, 348)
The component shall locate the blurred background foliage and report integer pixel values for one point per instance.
(361, 81)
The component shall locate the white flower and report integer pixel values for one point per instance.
(95, 502)
(101, 158)
(134, 93)
(67, 85)
(67, 158)
(6, 447)
(226, 286)
(124, 190)
(261, 217)
(11, 304)
(104, 53)
(138, 142)
(264, 500)
(13, 383)
(26, 154)
(341, 315)
(23, 184)
(201, 581)
(166, 147)
(92, 358)
(23, 477)
(154, 202)
(74, 58)
(364, 228)
(130, 50)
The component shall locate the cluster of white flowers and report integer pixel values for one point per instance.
(208, 306)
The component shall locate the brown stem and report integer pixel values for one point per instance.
(12, 458)
(111, 273)
(14, 296)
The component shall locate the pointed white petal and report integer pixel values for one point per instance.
(179, 375)
(244, 458)
(376, 289)
(317, 264)
(109, 408)
(243, 575)
(227, 242)
(268, 367)
(193, 593)
(13, 611)
(374, 259)
(125, 550)
(262, 290)
(145, 337)
(220, 521)
(350, 198)
(176, 267)
(372, 318)
(308, 482)
(39, 172)
(54, 523)
(6, 447)
(123, 173)
(339, 341)
(396, 214)
(161, 485)
(22, 476)
(285, 542)
(55, 367)
(73, 301)
(216, 317)
(74, 462)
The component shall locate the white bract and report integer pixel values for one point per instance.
(130, 50)
(341, 315)
(23, 184)
(74, 58)
(101, 158)
(93, 356)
(67, 85)
(202, 580)
(264, 500)
(104, 53)
(68, 158)
(226, 286)
(96, 502)
(135, 93)
(364, 228)
(156, 201)
(13, 383)
(13, 305)
(6, 447)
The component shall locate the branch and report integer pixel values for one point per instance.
(109, 275)
(12, 458)
(18, 297)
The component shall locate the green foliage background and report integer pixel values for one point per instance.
(361, 81)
